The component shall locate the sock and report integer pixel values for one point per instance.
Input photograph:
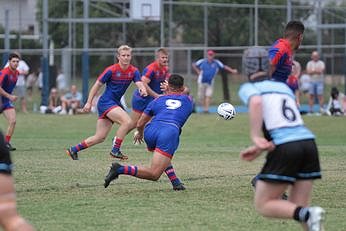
(79, 147)
(7, 138)
(301, 214)
(128, 170)
(171, 175)
(116, 144)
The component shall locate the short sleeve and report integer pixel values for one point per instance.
(136, 76)
(105, 76)
(149, 109)
(2, 77)
(274, 55)
(219, 64)
(246, 91)
(199, 62)
(148, 72)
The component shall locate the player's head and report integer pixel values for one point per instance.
(124, 55)
(210, 54)
(13, 60)
(256, 64)
(294, 31)
(162, 56)
(176, 83)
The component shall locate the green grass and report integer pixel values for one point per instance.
(56, 193)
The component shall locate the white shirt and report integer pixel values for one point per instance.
(315, 65)
(61, 82)
(22, 67)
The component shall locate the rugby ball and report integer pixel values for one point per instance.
(226, 111)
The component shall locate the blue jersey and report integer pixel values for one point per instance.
(172, 109)
(8, 80)
(280, 54)
(280, 112)
(117, 81)
(209, 69)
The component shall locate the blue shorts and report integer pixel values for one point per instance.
(316, 88)
(162, 138)
(139, 103)
(5, 106)
(104, 107)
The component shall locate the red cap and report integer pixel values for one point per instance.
(211, 52)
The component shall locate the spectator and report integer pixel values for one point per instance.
(71, 101)
(61, 82)
(39, 81)
(206, 70)
(23, 70)
(54, 104)
(304, 82)
(336, 103)
(315, 68)
(30, 83)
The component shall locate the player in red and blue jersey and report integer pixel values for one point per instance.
(280, 53)
(8, 80)
(117, 79)
(153, 75)
(167, 115)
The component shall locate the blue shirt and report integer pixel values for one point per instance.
(209, 69)
(281, 116)
(172, 109)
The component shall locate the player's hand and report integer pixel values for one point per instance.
(13, 98)
(137, 138)
(263, 144)
(143, 91)
(87, 108)
(164, 86)
(250, 153)
(234, 71)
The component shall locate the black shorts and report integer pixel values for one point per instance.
(5, 159)
(292, 161)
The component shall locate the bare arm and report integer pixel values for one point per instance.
(142, 89)
(146, 81)
(143, 120)
(93, 91)
(197, 69)
(230, 70)
(7, 95)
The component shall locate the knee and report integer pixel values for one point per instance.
(155, 176)
(12, 121)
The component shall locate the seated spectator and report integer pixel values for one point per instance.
(336, 103)
(54, 104)
(71, 101)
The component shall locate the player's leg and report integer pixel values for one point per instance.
(159, 163)
(175, 181)
(103, 126)
(9, 218)
(10, 115)
(119, 116)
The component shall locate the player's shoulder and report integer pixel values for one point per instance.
(132, 68)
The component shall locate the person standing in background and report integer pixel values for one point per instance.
(315, 68)
(20, 89)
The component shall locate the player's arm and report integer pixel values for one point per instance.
(256, 119)
(146, 81)
(142, 89)
(93, 91)
(4, 93)
(230, 70)
(139, 134)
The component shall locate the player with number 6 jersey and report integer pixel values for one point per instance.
(167, 115)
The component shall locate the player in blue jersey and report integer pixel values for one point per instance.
(8, 80)
(117, 79)
(10, 220)
(206, 70)
(281, 52)
(292, 158)
(167, 115)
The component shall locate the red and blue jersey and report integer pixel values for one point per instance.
(117, 81)
(293, 83)
(280, 54)
(8, 80)
(156, 74)
(173, 109)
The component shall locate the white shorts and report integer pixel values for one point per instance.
(205, 90)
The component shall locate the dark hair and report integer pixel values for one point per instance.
(176, 81)
(293, 29)
(334, 93)
(13, 55)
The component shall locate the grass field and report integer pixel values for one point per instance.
(56, 193)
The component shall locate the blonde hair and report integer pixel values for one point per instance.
(123, 48)
(162, 50)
